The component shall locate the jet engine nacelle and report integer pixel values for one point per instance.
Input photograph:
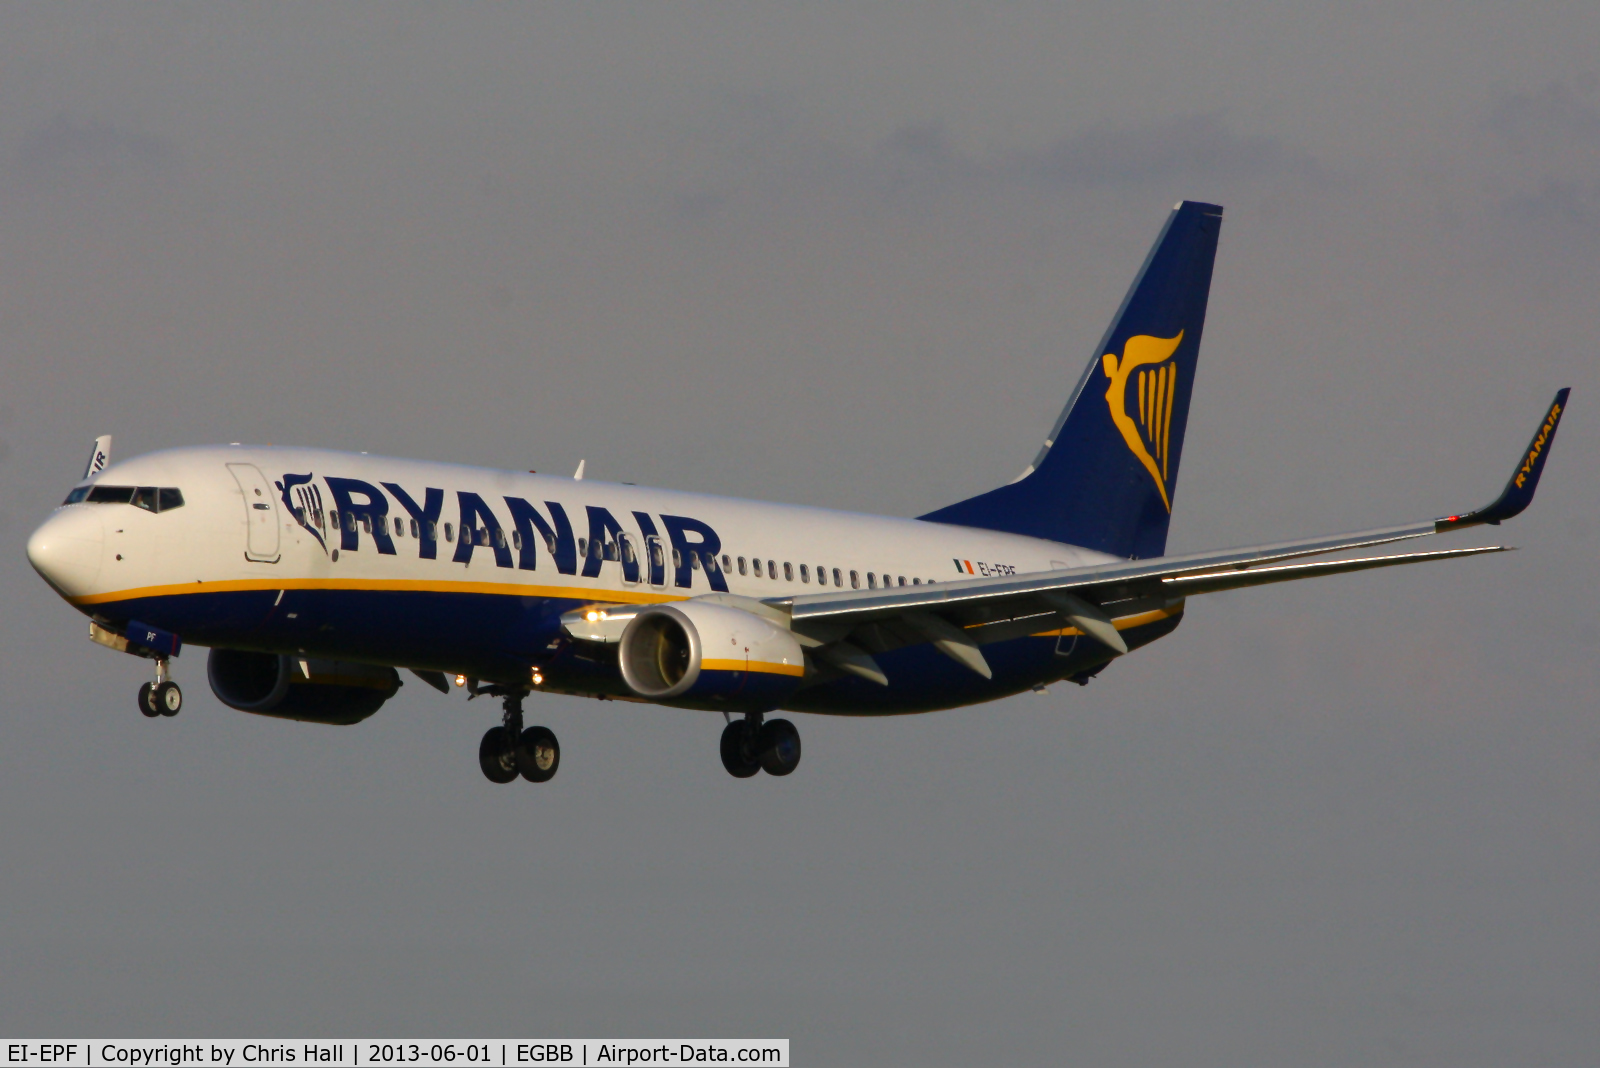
(712, 655)
(271, 685)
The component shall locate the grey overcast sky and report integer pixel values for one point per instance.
(851, 255)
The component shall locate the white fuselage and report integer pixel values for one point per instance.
(272, 549)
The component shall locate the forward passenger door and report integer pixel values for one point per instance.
(261, 513)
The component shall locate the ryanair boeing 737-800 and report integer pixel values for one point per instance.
(313, 575)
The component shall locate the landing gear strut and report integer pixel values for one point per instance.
(749, 746)
(162, 697)
(508, 750)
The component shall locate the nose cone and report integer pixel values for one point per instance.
(67, 548)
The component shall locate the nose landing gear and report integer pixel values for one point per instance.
(162, 697)
(749, 746)
(508, 750)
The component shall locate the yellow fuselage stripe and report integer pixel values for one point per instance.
(502, 589)
(510, 589)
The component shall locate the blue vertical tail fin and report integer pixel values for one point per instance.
(1105, 477)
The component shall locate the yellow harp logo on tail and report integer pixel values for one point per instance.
(1157, 383)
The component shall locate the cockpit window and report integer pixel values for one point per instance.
(150, 498)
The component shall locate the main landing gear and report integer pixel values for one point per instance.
(508, 751)
(749, 746)
(162, 697)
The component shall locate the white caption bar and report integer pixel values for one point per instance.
(378, 1053)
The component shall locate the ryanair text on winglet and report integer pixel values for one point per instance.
(1538, 444)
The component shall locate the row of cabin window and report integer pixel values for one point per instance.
(610, 551)
(753, 566)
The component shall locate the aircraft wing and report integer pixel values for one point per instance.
(959, 616)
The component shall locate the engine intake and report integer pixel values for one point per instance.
(710, 655)
(336, 692)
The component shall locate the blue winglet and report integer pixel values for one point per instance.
(1518, 493)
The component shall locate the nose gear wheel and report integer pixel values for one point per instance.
(161, 697)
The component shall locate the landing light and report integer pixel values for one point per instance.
(592, 616)
(461, 680)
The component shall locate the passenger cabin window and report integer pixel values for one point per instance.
(836, 580)
(711, 563)
(855, 580)
(872, 581)
(414, 528)
(694, 561)
(755, 566)
(741, 565)
(499, 538)
(772, 569)
(916, 582)
(516, 539)
(805, 572)
(788, 572)
(583, 546)
(449, 532)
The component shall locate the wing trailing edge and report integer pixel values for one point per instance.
(1090, 597)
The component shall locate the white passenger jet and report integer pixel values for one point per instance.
(314, 575)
